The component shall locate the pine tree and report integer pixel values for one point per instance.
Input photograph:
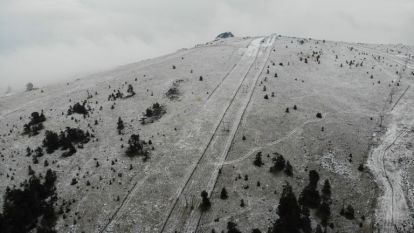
(131, 90)
(51, 142)
(223, 194)
(242, 204)
(258, 160)
(289, 213)
(305, 222)
(135, 146)
(205, 204)
(310, 196)
(313, 178)
(120, 126)
(348, 212)
(279, 164)
(232, 228)
(324, 212)
(288, 169)
(326, 190)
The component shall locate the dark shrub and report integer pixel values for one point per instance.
(232, 228)
(137, 147)
(205, 202)
(78, 108)
(288, 169)
(279, 164)
(51, 142)
(258, 160)
(348, 212)
(120, 126)
(223, 194)
(35, 124)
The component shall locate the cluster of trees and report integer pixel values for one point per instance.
(119, 95)
(311, 198)
(292, 217)
(138, 147)
(30, 209)
(155, 112)
(294, 213)
(37, 153)
(279, 164)
(174, 93)
(78, 109)
(65, 140)
(354, 63)
(35, 125)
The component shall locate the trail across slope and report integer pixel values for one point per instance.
(393, 211)
(183, 218)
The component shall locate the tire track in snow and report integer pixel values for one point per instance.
(181, 189)
(388, 217)
(119, 210)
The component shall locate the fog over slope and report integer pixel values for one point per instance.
(49, 41)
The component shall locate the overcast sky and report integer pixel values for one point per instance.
(46, 41)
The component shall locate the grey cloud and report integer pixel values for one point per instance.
(49, 40)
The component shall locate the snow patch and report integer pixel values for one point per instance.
(330, 163)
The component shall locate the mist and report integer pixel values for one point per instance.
(47, 41)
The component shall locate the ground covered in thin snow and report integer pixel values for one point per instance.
(322, 105)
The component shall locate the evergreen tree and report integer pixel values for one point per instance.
(136, 147)
(258, 160)
(232, 228)
(279, 164)
(130, 90)
(120, 126)
(289, 213)
(313, 178)
(326, 190)
(305, 222)
(51, 142)
(223, 194)
(348, 212)
(288, 169)
(205, 203)
(324, 213)
(310, 195)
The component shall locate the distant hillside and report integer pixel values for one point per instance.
(235, 135)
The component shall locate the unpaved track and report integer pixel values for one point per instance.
(182, 217)
(393, 211)
(194, 134)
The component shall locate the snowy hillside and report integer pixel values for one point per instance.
(243, 115)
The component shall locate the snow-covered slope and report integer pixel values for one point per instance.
(236, 97)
